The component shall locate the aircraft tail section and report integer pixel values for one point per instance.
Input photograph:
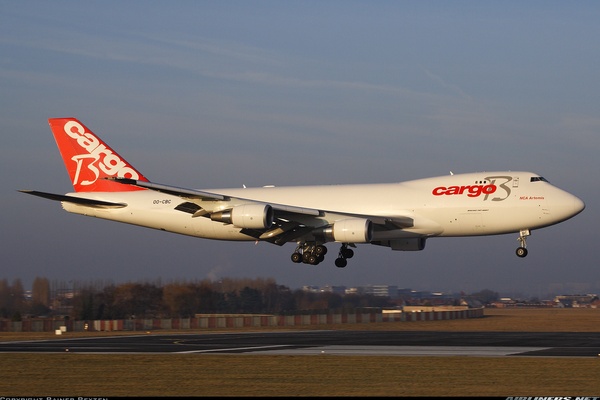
(89, 161)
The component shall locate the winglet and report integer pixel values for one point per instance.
(89, 160)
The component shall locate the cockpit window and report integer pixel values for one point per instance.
(538, 179)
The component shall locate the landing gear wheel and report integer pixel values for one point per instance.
(341, 262)
(297, 258)
(305, 257)
(343, 256)
(522, 252)
(320, 250)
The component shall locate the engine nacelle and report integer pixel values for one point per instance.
(352, 230)
(249, 216)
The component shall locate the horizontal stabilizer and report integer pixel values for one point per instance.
(75, 200)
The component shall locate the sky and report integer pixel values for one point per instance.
(215, 94)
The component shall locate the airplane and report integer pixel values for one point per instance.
(401, 216)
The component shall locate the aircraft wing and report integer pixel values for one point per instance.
(290, 222)
(192, 194)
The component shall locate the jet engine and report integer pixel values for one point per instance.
(351, 230)
(249, 216)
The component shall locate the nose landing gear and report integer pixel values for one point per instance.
(522, 249)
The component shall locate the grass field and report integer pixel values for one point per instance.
(94, 375)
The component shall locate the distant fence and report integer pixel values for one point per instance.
(233, 321)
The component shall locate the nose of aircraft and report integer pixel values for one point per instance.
(578, 205)
(569, 206)
(563, 205)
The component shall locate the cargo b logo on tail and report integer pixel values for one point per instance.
(108, 162)
(89, 160)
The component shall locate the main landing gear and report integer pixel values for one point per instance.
(522, 249)
(309, 253)
(313, 253)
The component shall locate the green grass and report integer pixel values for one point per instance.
(71, 374)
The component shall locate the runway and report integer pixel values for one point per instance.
(319, 342)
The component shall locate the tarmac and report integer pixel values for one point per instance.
(331, 342)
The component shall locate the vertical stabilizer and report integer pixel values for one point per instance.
(89, 160)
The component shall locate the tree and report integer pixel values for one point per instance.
(139, 300)
(277, 298)
(83, 304)
(17, 299)
(40, 291)
(250, 301)
(4, 298)
(180, 300)
(40, 296)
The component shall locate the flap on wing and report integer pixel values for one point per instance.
(75, 200)
(282, 209)
(280, 234)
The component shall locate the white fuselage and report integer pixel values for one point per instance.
(473, 204)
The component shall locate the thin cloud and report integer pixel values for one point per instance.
(450, 87)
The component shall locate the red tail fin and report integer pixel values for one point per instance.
(88, 159)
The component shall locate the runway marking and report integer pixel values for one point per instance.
(480, 351)
(229, 349)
